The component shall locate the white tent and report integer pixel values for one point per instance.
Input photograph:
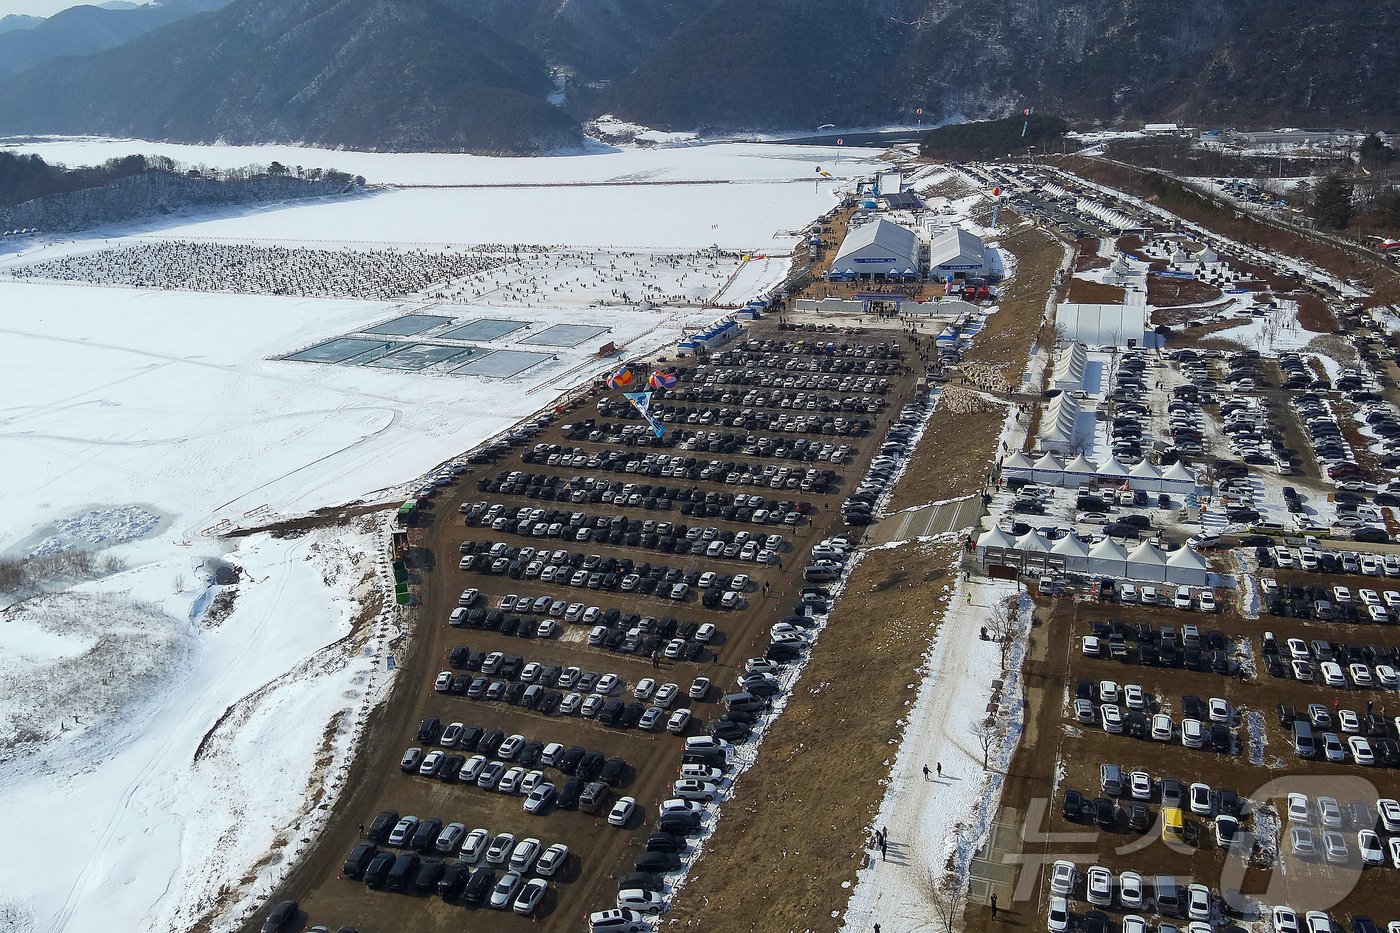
(1112, 469)
(1177, 473)
(1107, 559)
(1073, 551)
(1068, 375)
(1144, 475)
(1207, 256)
(1057, 426)
(1033, 542)
(1017, 462)
(1185, 566)
(1079, 469)
(1180, 255)
(1145, 562)
(996, 540)
(1048, 469)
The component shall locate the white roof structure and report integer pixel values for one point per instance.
(1185, 567)
(1111, 467)
(1207, 256)
(880, 247)
(1017, 461)
(956, 250)
(1144, 469)
(1107, 558)
(1082, 466)
(1068, 375)
(1033, 542)
(1071, 545)
(1147, 555)
(1179, 255)
(1178, 473)
(1058, 424)
(1105, 325)
(996, 537)
(1049, 463)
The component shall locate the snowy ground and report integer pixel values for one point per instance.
(149, 422)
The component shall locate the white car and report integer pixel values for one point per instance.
(1299, 809)
(1162, 728)
(1206, 600)
(691, 789)
(1063, 876)
(1132, 923)
(1057, 921)
(678, 721)
(1140, 785)
(647, 902)
(552, 860)
(1134, 696)
(677, 805)
(644, 689)
(621, 812)
(1112, 719)
(1368, 841)
(1285, 919)
(1099, 886)
(1109, 692)
(1130, 892)
(1318, 922)
(474, 846)
(1192, 735)
(1200, 799)
(1198, 902)
(1389, 811)
(1361, 751)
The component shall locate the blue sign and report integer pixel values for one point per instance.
(889, 259)
(972, 265)
(1175, 275)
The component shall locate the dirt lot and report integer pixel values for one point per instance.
(601, 852)
(1059, 753)
(828, 754)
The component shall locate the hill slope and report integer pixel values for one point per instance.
(81, 30)
(800, 63)
(362, 73)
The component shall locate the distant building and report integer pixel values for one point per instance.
(1161, 129)
(879, 249)
(1120, 326)
(958, 253)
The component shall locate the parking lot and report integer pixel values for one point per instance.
(576, 580)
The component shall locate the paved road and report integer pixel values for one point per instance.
(928, 520)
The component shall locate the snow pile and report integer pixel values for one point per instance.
(1258, 738)
(97, 528)
(618, 132)
(82, 664)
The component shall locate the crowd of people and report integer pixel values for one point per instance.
(273, 270)
(499, 273)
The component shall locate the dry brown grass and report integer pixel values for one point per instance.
(1314, 315)
(1095, 293)
(952, 460)
(806, 802)
(1008, 335)
(1168, 292)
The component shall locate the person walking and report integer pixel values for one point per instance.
(939, 765)
(994, 906)
(925, 772)
(362, 830)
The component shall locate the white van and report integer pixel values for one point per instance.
(619, 920)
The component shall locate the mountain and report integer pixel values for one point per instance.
(81, 30)
(480, 75)
(373, 74)
(18, 21)
(743, 65)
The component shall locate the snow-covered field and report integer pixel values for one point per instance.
(145, 422)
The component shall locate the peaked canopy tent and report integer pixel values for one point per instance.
(1073, 551)
(1184, 567)
(957, 253)
(1146, 563)
(1107, 559)
(1018, 462)
(1048, 469)
(1068, 375)
(1059, 425)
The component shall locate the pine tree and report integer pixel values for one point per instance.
(1331, 202)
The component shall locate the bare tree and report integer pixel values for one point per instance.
(949, 901)
(1004, 624)
(986, 734)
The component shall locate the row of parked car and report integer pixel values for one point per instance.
(694, 469)
(690, 501)
(859, 508)
(1316, 830)
(1143, 643)
(1194, 731)
(1366, 741)
(755, 361)
(795, 419)
(1338, 665)
(451, 852)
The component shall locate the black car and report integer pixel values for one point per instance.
(429, 730)
(281, 916)
(589, 765)
(640, 880)
(378, 870)
(458, 656)
(1096, 921)
(1074, 806)
(482, 881)
(1105, 813)
(358, 861)
(682, 824)
(730, 731)
(1139, 817)
(426, 834)
(665, 842)
(569, 761)
(568, 796)
(429, 874)
(614, 772)
(381, 827)
(453, 880)
(655, 861)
